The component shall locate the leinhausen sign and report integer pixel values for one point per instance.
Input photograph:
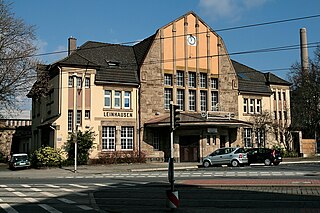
(118, 114)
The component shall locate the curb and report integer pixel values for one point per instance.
(163, 169)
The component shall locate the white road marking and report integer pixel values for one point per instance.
(84, 207)
(66, 201)
(52, 186)
(36, 189)
(19, 194)
(25, 185)
(48, 194)
(8, 208)
(49, 208)
(79, 186)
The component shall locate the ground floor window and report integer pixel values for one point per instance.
(126, 138)
(108, 137)
(247, 137)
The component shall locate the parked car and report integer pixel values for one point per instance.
(19, 161)
(233, 156)
(264, 155)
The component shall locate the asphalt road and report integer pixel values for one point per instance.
(284, 188)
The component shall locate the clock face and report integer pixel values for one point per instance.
(191, 40)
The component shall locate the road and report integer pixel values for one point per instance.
(285, 188)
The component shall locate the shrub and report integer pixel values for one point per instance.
(120, 157)
(46, 157)
(84, 144)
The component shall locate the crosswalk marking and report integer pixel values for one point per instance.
(8, 208)
(36, 189)
(79, 186)
(52, 186)
(84, 207)
(66, 201)
(49, 208)
(19, 194)
(48, 194)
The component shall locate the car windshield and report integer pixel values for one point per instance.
(20, 158)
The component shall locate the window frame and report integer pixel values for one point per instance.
(117, 99)
(203, 101)
(203, 80)
(127, 100)
(108, 138)
(180, 78)
(168, 79)
(180, 99)
(192, 100)
(214, 101)
(127, 137)
(192, 79)
(167, 98)
(107, 97)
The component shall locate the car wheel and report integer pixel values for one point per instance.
(276, 163)
(234, 163)
(206, 164)
(267, 162)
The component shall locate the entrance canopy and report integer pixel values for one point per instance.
(198, 119)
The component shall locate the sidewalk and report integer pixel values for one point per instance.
(114, 168)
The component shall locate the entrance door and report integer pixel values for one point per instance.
(222, 141)
(189, 148)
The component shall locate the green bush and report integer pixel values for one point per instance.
(84, 144)
(46, 157)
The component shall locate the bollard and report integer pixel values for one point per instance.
(172, 199)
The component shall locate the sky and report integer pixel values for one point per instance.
(125, 21)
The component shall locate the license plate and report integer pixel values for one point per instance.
(279, 158)
(22, 163)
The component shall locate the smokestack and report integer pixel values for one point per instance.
(72, 45)
(304, 49)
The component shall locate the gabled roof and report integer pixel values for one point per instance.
(273, 79)
(114, 63)
(251, 80)
(141, 49)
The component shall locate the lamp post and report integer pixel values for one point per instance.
(75, 126)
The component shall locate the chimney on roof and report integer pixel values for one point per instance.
(72, 45)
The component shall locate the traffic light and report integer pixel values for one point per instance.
(176, 116)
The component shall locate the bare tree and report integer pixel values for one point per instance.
(305, 106)
(17, 63)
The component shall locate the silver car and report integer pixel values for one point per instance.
(233, 156)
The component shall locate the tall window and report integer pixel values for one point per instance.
(203, 80)
(127, 100)
(180, 99)
(180, 78)
(107, 98)
(214, 101)
(192, 80)
(70, 120)
(168, 79)
(284, 96)
(79, 82)
(192, 100)
(70, 81)
(251, 106)
(280, 115)
(108, 137)
(245, 105)
(279, 96)
(156, 140)
(127, 138)
(247, 133)
(214, 83)
(258, 106)
(167, 98)
(87, 114)
(203, 100)
(117, 99)
(79, 117)
(87, 82)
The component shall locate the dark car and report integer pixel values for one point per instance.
(19, 161)
(264, 155)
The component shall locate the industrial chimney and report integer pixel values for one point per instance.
(304, 50)
(72, 45)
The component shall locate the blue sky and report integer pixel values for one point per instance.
(128, 20)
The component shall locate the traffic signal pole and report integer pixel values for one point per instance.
(172, 195)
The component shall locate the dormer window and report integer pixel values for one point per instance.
(113, 63)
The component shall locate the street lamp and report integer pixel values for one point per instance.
(75, 125)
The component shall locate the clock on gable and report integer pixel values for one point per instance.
(192, 40)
